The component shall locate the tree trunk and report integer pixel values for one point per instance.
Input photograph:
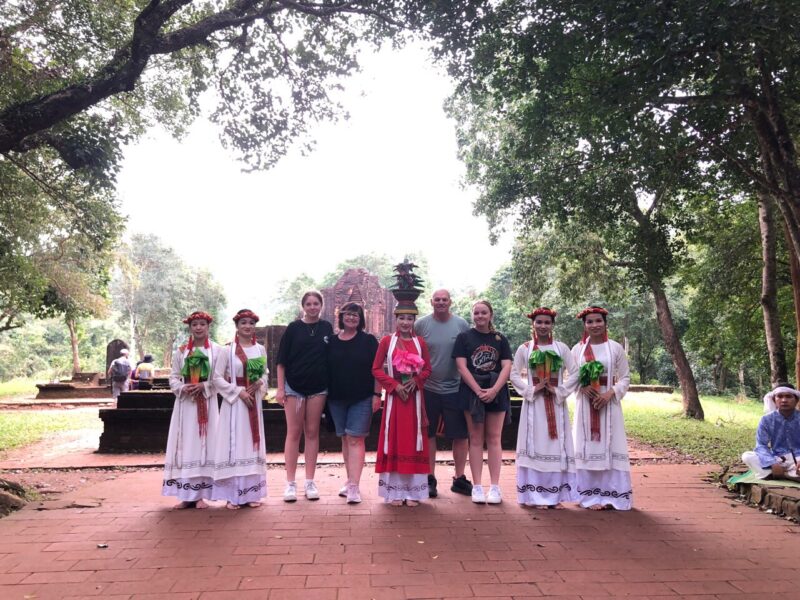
(769, 291)
(742, 387)
(132, 334)
(794, 269)
(167, 358)
(73, 340)
(691, 401)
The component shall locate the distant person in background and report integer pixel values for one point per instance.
(302, 388)
(240, 456)
(439, 330)
(188, 464)
(353, 394)
(119, 372)
(145, 372)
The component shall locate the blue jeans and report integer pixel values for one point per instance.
(352, 419)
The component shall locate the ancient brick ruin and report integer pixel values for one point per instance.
(364, 288)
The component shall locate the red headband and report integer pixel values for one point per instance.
(245, 313)
(198, 314)
(592, 310)
(543, 310)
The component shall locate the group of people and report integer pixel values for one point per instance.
(433, 376)
(124, 377)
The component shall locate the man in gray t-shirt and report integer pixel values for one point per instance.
(439, 330)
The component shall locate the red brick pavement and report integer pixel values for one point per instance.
(684, 540)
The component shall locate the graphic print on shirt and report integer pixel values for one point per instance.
(484, 358)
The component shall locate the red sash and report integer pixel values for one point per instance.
(549, 401)
(202, 413)
(253, 411)
(588, 356)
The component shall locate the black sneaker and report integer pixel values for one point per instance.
(461, 485)
(432, 493)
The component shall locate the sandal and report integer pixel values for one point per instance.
(201, 504)
(254, 504)
(184, 505)
(412, 503)
(232, 506)
(397, 503)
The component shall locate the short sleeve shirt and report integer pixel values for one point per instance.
(484, 351)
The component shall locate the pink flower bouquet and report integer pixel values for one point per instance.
(407, 364)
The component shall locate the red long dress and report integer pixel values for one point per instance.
(402, 456)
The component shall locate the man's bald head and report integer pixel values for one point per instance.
(441, 302)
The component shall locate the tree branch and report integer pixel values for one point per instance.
(20, 121)
(700, 100)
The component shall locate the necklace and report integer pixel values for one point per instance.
(312, 329)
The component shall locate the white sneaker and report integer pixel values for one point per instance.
(353, 494)
(494, 496)
(343, 491)
(477, 494)
(312, 493)
(290, 493)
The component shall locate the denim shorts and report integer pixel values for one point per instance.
(301, 397)
(352, 419)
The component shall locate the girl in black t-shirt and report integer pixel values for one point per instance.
(483, 357)
(302, 388)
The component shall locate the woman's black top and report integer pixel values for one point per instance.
(350, 368)
(302, 353)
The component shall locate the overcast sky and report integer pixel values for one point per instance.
(393, 165)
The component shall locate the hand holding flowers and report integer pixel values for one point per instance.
(407, 364)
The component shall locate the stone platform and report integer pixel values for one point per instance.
(783, 500)
(67, 390)
(140, 423)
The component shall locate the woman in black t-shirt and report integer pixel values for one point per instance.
(302, 387)
(483, 357)
(353, 394)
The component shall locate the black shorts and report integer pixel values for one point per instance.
(445, 408)
(501, 403)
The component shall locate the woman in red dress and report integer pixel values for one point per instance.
(402, 461)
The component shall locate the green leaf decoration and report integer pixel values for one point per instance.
(197, 360)
(590, 372)
(538, 357)
(255, 368)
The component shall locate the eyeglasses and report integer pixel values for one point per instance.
(351, 314)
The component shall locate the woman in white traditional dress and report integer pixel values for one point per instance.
(240, 457)
(601, 447)
(545, 452)
(192, 429)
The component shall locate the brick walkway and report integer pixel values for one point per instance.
(685, 539)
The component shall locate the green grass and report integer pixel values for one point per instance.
(19, 428)
(728, 430)
(17, 387)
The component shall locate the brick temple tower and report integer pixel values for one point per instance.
(360, 286)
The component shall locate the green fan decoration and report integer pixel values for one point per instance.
(196, 366)
(255, 368)
(540, 357)
(590, 372)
